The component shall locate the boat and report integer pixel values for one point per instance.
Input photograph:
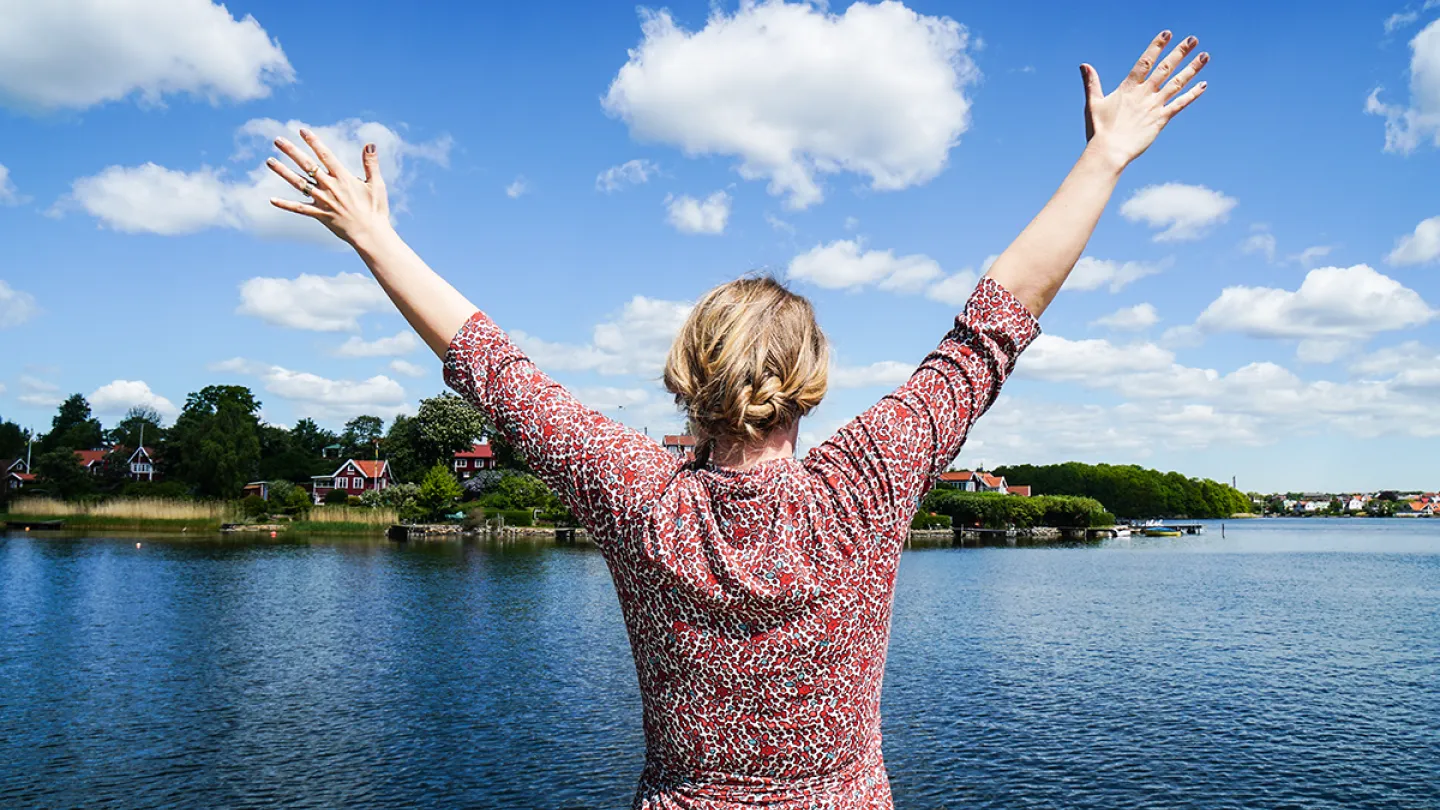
(1161, 531)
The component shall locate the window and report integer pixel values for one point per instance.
(462, 463)
(358, 482)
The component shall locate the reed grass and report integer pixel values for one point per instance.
(354, 515)
(128, 509)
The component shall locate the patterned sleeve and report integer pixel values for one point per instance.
(887, 458)
(599, 468)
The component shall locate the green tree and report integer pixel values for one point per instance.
(361, 436)
(60, 473)
(216, 440)
(312, 438)
(283, 459)
(443, 425)
(13, 440)
(439, 491)
(72, 428)
(1130, 491)
(140, 421)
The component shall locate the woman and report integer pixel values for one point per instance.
(756, 587)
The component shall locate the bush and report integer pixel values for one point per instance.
(924, 520)
(337, 497)
(254, 506)
(516, 517)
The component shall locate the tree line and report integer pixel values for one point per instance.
(1131, 491)
(219, 443)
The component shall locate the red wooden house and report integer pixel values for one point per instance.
(680, 446)
(468, 462)
(354, 477)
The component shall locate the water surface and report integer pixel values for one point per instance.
(1291, 663)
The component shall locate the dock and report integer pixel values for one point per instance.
(35, 525)
(1183, 528)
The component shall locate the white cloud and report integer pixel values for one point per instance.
(636, 342)
(72, 54)
(407, 368)
(1057, 359)
(689, 215)
(9, 195)
(845, 265)
(1407, 128)
(629, 173)
(1092, 274)
(121, 395)
(888, 373)
(16, 307)
(154, 199)
(851, 223)
(319, 397)
(794, 92)
(1308, 256)
(403, 342)
(1140, 316)
(517, 188)
(1333, 306)
(1420, 247)
(1261, 242)
(954, 289)
(779, 224)
(1399, 20)
(316, 303)
(1185, 213)
(38, 392)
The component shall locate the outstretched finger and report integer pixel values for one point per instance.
(300, 208)
(1186, 100)
(1169, 63)
(1147, 59)
(323, 152)
(306, 163)
(300, 183)
(372, 165)
(1175, 85)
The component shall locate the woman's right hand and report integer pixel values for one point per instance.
(355, 210)
(1122, 125)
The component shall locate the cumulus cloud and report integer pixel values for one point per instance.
(1420, 247)
(154, 199)
(121, 395)
(634, 342)
(629, 173)
(1407, 128)
(1400, 19)
(1334, 308)
(1140, 316)
(403, 342)
(318, 397)
(407, 368)
(517, 188)
(1308, 256)
(954, 289)
(845, 265)
(887, 373)
(315, 303)
(73, 54)
(1092, 274)
(1182, 213)
(16, 307)
(794, 92)
(707, 216)
(1057, 359)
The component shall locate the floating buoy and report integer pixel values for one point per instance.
(137, 545)
(272, 534)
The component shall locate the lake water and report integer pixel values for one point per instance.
(1290, 664)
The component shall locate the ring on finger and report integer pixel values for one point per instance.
(309, 189)
(314, 171)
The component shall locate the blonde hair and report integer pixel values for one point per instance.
(749, 359)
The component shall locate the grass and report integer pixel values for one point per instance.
(164, 515)
(334, 527)
(128, 509)
(351, 516)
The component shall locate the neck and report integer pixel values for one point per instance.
(779, 443)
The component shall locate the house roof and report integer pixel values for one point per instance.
(26, 477)
(372, 469)
(992, 480)
(8, 464)
(478, 451)
(89, 457)
(957, 475)
(679, 441)
(1022, 491)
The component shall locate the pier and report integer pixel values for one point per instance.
(37, 525)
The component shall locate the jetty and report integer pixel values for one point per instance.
(34, 525)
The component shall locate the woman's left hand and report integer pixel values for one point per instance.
(354, 209)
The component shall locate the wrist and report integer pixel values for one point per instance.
(1102, 157)
(373, 240)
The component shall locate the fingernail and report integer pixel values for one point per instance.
(369, 148)
(1203, 85)
(304, 133)
(1164, 34)
(1192, 42)
(1204, 57)
(271, 161)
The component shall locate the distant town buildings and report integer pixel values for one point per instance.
(979, 481)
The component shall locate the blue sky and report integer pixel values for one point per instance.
(1257, 302)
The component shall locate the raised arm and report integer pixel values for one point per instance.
(601, 469)
(1119, 128)
(884, 460)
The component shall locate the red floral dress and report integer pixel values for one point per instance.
(757, 602)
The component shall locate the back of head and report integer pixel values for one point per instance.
(749, 359)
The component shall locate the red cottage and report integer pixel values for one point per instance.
(680, 446)
(354, 478)
(468, 462)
